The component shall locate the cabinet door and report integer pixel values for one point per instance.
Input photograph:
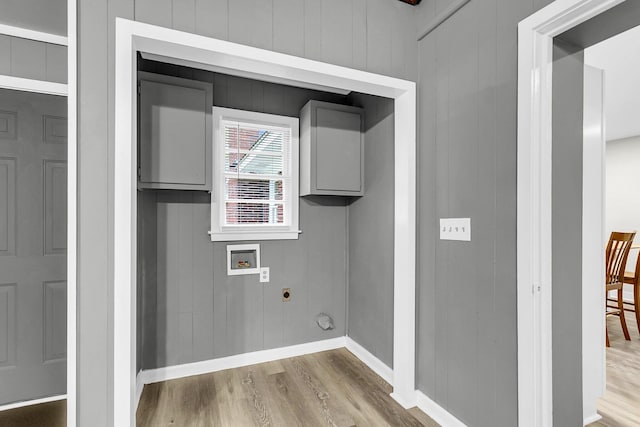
(175, 133)
(338, 150)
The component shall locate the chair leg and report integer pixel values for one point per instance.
(606, 332)
(636, 303)
(623, 321)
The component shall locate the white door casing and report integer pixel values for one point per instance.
(534, 227)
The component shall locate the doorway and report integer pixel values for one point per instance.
(550, 352)
(618, 403)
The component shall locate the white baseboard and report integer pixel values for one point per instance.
(592, 419)
(436, 412)
(370, 360)
(32, 402)
(230, 362)
(139, 387)
(405, 403)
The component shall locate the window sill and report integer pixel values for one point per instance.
(230, 236)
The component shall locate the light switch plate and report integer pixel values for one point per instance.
(455, 229)
(264, 274)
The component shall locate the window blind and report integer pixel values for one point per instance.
(257, 174)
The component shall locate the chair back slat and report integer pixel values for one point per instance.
(617, 254)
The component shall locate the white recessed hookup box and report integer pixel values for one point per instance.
(243, 259)
(455, 229)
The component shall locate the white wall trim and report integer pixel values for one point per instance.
(534, 256)
(136, 36)
(72, 209)
(31, 85)
(376, 365)
(24, 403)
(236, 361)
(592, 419)
(436, 412)
(25, 33)
(139, 388)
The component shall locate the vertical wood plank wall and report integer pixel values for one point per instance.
(191, 310)
(467, 332)
(372, 35)
(49, 16)
(370, 308)
(566, 266)
(32, 59)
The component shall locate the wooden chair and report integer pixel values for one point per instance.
(632, 278)
(615, 262)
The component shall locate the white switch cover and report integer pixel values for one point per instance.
(264, 274)
(455, 229)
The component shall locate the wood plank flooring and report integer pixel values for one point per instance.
(620, 406)
(331, 388)
(52, 414)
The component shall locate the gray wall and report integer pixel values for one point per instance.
(568, 92)
(373, 35)
(370, 309)
(33, 59)
(191, 310)
(49, 16)
(467, 161)
(467, 336)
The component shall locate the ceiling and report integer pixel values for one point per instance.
(619, 57)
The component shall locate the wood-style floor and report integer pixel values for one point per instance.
(331, 388)
(620, 406)
(52, 414)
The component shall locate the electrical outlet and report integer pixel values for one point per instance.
(286, 294)
(455, 229)
(264, 274)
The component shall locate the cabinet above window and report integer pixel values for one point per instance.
(331, 150)
(175, 133)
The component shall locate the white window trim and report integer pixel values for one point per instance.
(221, 233)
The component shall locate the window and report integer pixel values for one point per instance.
(255, 160)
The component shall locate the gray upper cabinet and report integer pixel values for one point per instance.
(175, 133)
(331, 150)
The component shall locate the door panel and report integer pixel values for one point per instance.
(7, 206)
(33, 233)
(7, 324)
(55, 207)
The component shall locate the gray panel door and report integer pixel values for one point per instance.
(338, 150)
(33, 244)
